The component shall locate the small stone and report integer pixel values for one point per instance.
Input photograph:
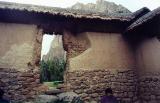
(153, 97)
(53, 91)
(94, 95)
(93, 102)
(27, 75)
(46, 99)
(127, 100)
(60, 86)
(130, 94)
(79, 91)
(155, 79)
(67, 96)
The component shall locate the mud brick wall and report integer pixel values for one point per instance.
(96, 61)
(19, 61)
(148, 57)
(90, 85)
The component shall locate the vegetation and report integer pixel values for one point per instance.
(52, 70)
(52, 83)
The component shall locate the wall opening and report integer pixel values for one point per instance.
(53, 59)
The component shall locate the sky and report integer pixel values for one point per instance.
(132, 5)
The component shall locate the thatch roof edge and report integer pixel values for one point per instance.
(61, 11)
(139, 13)
(144, 19)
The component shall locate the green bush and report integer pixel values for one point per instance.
(52, 70)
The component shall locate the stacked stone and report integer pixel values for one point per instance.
(149, 88)
(19, 86)
(74, 44)
(75, 49)
(90, 85)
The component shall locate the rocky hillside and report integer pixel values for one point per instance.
(56, 49)
(101, 6)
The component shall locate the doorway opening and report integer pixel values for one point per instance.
(53, 59)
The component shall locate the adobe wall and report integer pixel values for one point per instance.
(20, 48)
(148, 57)
(97, 61)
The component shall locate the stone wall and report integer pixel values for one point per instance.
(20, 46)
(90, 85)
(19, 86)
(149, 88)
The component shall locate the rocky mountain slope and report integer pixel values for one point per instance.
(56, 49)
(101, 6)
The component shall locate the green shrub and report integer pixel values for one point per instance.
(52, 70)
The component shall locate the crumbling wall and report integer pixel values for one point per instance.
(148, 57)
(20, 46)
(106, 50)
(75, 44)
(100, 60)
